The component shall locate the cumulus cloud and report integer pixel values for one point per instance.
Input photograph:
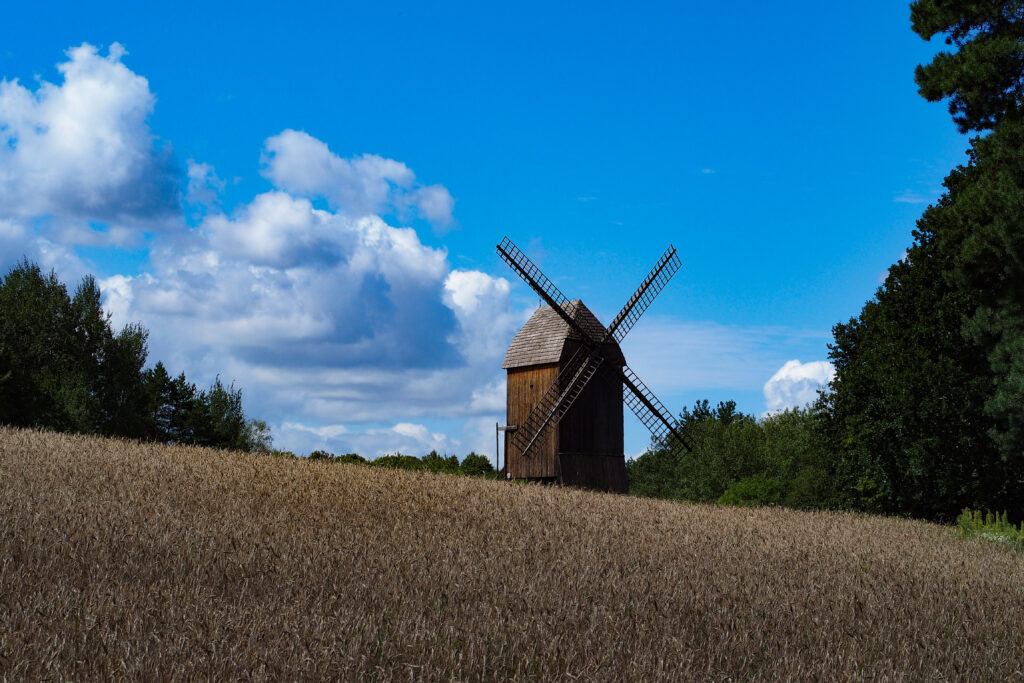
(796, 384)
(82, 150)
(684, 356)
(369, 184)
(339, 326)
(204, 187)
(481, 306)
(405, 437)
(330, 319)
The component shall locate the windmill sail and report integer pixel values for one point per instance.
(655, 281)
(652, 412)
(532, 275)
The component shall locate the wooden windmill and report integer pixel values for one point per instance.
(567, 381)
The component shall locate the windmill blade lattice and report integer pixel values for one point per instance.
(655, 281)
(552, 296)
(652, 412)
(526, 269)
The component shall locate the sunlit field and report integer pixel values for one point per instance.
(120, 559)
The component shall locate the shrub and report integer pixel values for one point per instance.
(399, 462)
(476, 465)
(991, 527)
(756, 489)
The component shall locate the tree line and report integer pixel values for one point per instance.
(737, 459)
(925, 415)
(63, 367)
(473, 464)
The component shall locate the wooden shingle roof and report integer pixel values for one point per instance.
(543, 338)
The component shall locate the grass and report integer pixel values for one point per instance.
(126, 560)
(991, 527)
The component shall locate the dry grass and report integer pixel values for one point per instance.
(119, 559)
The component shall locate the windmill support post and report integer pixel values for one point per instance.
(498, 428)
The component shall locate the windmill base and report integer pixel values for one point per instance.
(588, 471)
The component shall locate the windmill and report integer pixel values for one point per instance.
(567, 380)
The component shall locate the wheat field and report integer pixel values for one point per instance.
(143, 561)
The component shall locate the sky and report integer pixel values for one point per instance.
(304, 199)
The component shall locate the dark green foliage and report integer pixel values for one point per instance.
(757, 489)
(171, 404)
(350, 458)
(781, 459)
(981, 229)
(473, 464)
(983, 78)
(63, 367)
(926, 409)
(476, 465)
(909, 392)
(399, 462)
(43, 388)
(434, 462)
(217, 419)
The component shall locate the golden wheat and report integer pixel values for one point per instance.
(143, 561)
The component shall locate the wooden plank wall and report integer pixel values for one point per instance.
(594, 423)
(525, 386)
(586, 470)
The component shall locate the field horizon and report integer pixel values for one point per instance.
(126, 559)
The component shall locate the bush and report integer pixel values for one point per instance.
(991, 527)
(756, 489)
(476, 465)
(781, 459)
(399, 462)
(434, 462)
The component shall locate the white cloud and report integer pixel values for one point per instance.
(365, 185)
(434, 203)
(326, 318)
(117, 298)
(478, 437)
(12, 240)
(405, 437)
(796, 384)
(82, 150)
(204, 187)
(911, 197)
(332, 321)
(481, 306)
(684, 356)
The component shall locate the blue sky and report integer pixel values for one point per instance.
(305, 198)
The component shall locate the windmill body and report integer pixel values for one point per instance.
(585, 447)
(567, 382)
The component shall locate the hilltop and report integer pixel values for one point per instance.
(128, 559)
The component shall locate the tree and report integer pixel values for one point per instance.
(476, 465)
(122, 391)
(909, 391)
(926, 403)
(62, 367)
(217, 419)
(982, 231)
(435, 462)
(45, 387)
(984, 78)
